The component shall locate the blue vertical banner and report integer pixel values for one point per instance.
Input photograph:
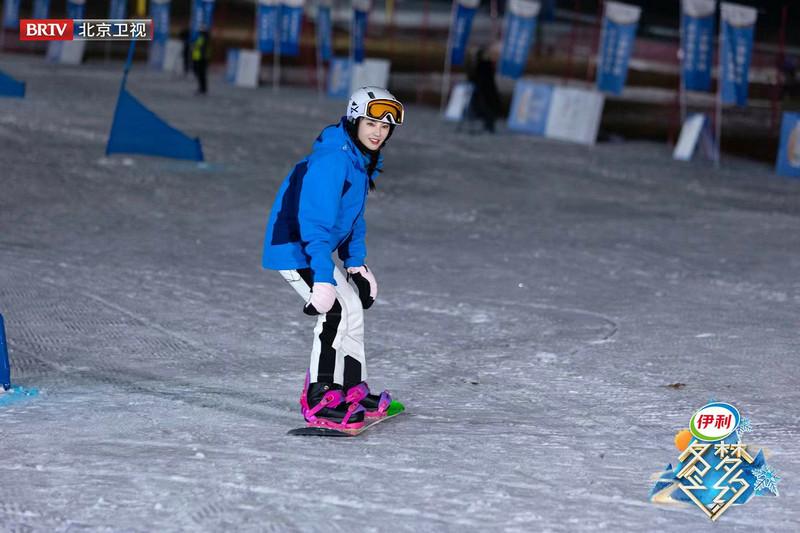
(118, 9)
(461, 27)
(11, 14)
(202, 16)
(697, 43)
(41, 9)
(736, 49)
(788, 163)
(159, 12)
(266, 25)
(616, 45)
(291, 22)
(548, 10)
(324, 31)
(76, 9)
(358, 30)
(519, 30)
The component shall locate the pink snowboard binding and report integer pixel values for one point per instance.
(325, 413)
(375, 406)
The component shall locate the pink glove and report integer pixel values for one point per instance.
(365, 283)
(323, 296)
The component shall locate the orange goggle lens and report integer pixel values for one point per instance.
(379, 109)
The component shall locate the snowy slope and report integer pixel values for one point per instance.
(536, 300)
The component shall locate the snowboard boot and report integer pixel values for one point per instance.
(325, 405)
(375, 405)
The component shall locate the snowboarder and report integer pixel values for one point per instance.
(319, 209)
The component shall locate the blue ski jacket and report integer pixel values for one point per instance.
(319, 209)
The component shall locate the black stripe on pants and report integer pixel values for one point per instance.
(327, 356)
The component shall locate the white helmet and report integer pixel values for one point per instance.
(375, 103)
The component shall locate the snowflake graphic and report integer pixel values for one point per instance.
(744, 427)
(766, 479)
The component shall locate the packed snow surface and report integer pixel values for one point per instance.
(550, 314)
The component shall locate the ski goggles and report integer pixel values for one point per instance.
(381, 108)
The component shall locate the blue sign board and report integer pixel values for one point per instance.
(339, 78)
(530, 107)
(788, 162)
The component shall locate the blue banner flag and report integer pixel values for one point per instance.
(291, 21)
(324, 32)
(618, 35)
(359, 28)
(530, 107)
(460, 30)
(11, 14)
(697, 43)
(736, 49)
(266, 25)
(41, 9)
(159, 12)
(788, 163)
(548, 10)
(202, 17)
(118, 9)
(518, 34)
(76, 9)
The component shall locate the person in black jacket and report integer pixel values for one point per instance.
(485, 102)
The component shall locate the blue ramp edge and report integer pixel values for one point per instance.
(16, 394)
(137, 130)
(10, 87)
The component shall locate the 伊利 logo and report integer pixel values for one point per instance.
(715, 469)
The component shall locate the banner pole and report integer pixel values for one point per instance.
(320, 66)
(276, 52)
(351, 54)
(599, 54)
(780, 79)
(681, 58)
(718, 121)
(597, 30)
(447, 60)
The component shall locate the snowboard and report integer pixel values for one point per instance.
(395, 408)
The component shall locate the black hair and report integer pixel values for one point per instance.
(351, 127)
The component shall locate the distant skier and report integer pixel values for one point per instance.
(319, 209)
(200, 56)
